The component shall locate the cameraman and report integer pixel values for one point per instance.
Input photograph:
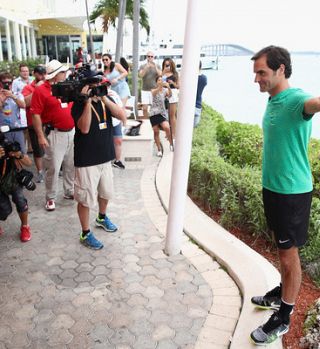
(7, 162)
(58, 145)
(93, 152)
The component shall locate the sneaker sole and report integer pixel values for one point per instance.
(50, 209)
(91, 247)
(265, 307)
(119, 167)
(103, 227)
(279, 335)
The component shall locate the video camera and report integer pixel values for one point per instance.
(23, 177)
(70, 90)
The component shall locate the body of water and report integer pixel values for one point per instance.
(231, 89)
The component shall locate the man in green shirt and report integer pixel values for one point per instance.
(286, 181)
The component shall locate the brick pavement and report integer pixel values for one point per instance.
(55, 293)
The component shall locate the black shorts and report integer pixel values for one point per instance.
(288, 217)
(157, 119)
(38, 152)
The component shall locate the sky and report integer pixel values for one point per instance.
(253, 24)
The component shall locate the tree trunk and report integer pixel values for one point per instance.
(121, 16)
(90, 35)
(135, 51)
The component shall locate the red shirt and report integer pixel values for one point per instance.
(50, 108)
(28, 90)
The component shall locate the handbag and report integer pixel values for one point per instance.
(8, 180)
(166, 103)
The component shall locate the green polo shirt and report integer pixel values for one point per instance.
(286, 134)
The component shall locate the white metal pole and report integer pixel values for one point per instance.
(187, 99)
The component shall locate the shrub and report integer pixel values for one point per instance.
(13, 67)
(240, 144)
(234, 190)
(314, 158)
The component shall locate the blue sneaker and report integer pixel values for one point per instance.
(90, 241)
(106, 224)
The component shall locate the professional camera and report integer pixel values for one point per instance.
(24, 178)
(70, 90)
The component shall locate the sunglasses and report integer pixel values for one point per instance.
(105, 59)
(150, 56)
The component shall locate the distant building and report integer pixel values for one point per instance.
(52, 28)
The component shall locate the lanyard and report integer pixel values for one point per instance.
(104, 113)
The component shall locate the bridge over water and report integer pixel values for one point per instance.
(225, 50)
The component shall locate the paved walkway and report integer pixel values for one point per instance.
(55, 293)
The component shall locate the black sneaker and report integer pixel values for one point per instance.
(270, 331)
(118, 164)
(271, 300)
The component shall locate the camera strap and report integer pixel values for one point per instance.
(4, 167)
(102, 125)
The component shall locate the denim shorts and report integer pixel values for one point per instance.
(5, 205)
(117, 130)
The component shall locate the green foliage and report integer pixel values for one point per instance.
(234, 190)
(13, 67)
(109, 9)
(314, 158)
(240, 144)
(225, 173)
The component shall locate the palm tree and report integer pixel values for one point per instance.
(109, 10)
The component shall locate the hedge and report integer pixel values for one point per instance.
(13, 67)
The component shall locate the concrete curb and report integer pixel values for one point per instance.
(252, 273)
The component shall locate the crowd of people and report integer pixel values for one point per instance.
(72, 139)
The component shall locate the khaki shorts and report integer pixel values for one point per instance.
(146, 97)
(92, 182)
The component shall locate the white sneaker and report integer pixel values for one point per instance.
(159, 154)
(50, 205)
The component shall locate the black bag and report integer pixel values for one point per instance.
(166, 103)
(8, 182)
(134, 130)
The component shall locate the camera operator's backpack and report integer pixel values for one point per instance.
(8, 180)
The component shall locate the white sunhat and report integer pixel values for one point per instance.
(53, 68)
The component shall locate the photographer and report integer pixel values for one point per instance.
(93, 152)
(58, 145)
(11, 159)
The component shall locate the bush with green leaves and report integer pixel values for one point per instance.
(226, 176)
(240, 144)
(231, 189)
(13, 67)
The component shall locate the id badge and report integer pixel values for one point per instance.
(102, 125)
